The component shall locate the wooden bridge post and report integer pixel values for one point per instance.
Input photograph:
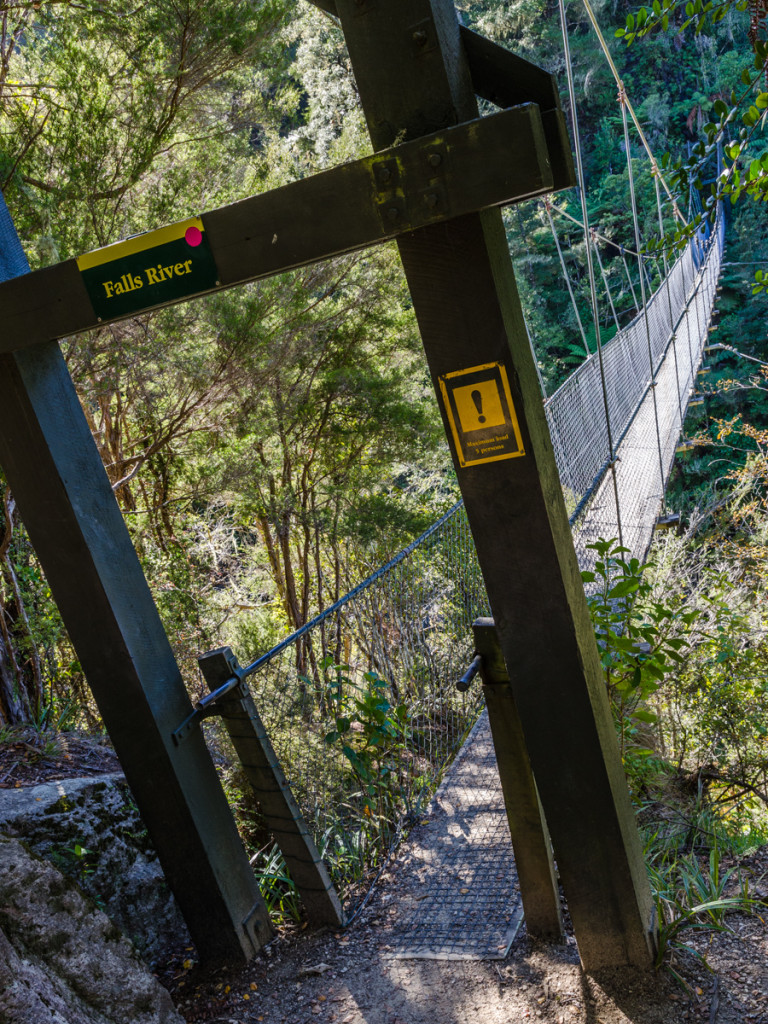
(527, 827)
(277, 803)
(413, 79)
(57, 478)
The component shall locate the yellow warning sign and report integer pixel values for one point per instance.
(482, 417)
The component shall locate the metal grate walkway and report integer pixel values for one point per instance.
(458, 893)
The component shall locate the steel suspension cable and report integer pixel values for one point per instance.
(607, 53)
(661, 233)
(648, 278)
(669, 302)
(673, 339)
(605, 282)
(730, 348)
(603, 238)
(699, 335)
(548, 208)
(629, 278)
(636, 224)
(535, 360)
(590, 266)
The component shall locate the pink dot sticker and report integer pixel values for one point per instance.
(193, 236)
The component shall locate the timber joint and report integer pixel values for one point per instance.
(223, 666)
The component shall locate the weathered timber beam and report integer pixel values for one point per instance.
(503, 78)
(329, 6)
(51, 463)
(277, 804)
(351, 207)
(412, 76)
(527, 827)
(379, 197)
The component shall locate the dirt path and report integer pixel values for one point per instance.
(351, 978)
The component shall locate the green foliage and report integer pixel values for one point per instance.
(639, 639)
(371, 731)
(691, 13)
(691, 898)
(349, 851)
(732, 118)
(665, 646)
(276, 885)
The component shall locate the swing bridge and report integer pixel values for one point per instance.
(410, 624)
(615, 424)
(337, 807)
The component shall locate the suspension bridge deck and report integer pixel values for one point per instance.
(459, 897)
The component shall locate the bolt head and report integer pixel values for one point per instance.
(420, 37)
(393, 213)
(435, 159)
(384, 173)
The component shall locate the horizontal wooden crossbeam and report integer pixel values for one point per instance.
(503, 78)
(463, 169)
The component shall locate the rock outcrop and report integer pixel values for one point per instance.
(90, 830)
(62, 961)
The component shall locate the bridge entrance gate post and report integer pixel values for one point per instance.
(417, 75)
(413, 79)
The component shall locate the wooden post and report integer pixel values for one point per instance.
(276, 801)
(413, 79)
(54, 470)
(527, 827)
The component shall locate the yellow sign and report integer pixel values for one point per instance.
(483, 421)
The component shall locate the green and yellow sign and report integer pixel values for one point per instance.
(149, 270)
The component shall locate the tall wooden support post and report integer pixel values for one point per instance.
(277, 803)
(413, 79)
(527, 827)
(54, 470)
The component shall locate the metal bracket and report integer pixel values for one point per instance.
(668, 521)
(466, 680)
(206, 706)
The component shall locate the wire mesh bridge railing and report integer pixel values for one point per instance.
(650, 370)
(399, 640)
(360, 704)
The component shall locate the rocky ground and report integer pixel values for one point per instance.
(61, 959)
(350, 977)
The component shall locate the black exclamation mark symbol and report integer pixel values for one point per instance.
(477, 398)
